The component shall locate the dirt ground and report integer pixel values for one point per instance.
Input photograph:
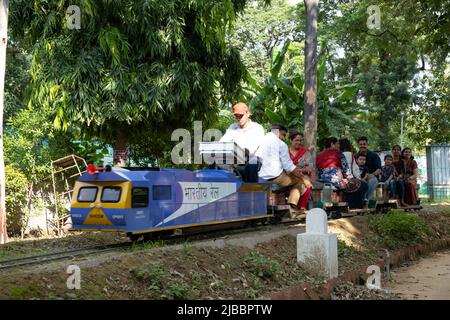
(231, 270)
(428, 278)
(350, 291)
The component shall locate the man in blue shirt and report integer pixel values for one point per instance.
(373, 162)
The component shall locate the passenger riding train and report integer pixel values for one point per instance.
(149, 201)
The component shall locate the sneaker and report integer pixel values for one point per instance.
(294, 212)
(365, 204)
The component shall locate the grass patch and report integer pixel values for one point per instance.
(161, 284)
(147, 245)
(261, 266)
(398, 228)
(19, 292)
(345, 250)
(19, 250)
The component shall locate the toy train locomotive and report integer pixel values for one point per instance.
(149, 201)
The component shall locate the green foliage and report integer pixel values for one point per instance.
(186, 250)
(386, 62)
(345, 250)
(16, 198)
(161, 282)
(260, 29)
(134, 66)
(261, 266)
(153, 274)
(178, 291)
(148, 245)
(17, 79)
(251, 293)
(91, 151)
(398, 227)
(280, 99)
(429, 121)
(19, 292)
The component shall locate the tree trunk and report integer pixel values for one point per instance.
(310, 93)
(120, 148)
(3, 43)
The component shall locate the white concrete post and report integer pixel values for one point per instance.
(316, 248)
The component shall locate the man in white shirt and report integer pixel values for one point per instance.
(247, 135)
(277, 166)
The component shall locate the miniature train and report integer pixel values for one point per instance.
(145, 201)
(149, 201)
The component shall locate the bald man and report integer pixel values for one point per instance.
(247, 135)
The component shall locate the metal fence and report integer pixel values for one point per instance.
(438, 171)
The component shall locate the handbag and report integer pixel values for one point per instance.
(352, 185)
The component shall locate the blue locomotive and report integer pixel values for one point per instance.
(144, 201)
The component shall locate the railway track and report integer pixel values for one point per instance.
(67, 254)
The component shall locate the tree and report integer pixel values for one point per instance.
(133, 67)
(429, 118)
(3, 43)
(260, 29)
(310, 91)
(280, 99)
(388, 63)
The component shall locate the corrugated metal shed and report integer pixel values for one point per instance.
(438, 171)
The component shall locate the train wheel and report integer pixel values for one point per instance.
(134, 237)
(151, 236)
(336, 215)
(251, 223)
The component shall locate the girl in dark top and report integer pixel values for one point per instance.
(399, 189)
(387, 176)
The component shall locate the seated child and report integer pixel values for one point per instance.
(387, 177)
(363, 169)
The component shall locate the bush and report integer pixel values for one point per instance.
(399, 227)
(16, 199)
(161, 282)
(261, 266)
(154, 275)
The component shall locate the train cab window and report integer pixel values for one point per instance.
(111, 194)
(139, 198)
(162, 192)
(87, 194)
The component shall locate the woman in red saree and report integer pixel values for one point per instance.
(411, 170)
(301, 157)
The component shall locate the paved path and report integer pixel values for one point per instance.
(428, 278)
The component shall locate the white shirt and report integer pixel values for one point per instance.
(352, 164)
(275, 157)
(247, 138)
